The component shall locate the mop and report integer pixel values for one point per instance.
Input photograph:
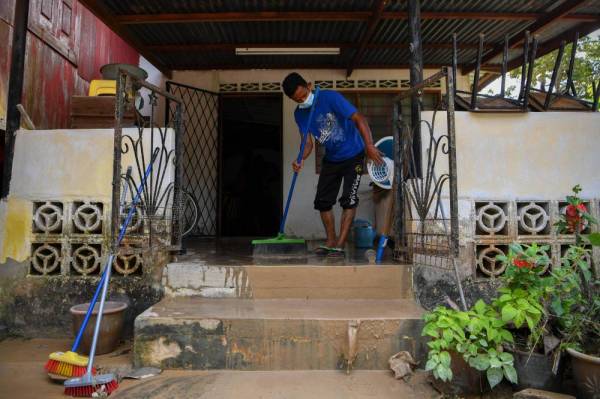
(90, 384)
(282, 245)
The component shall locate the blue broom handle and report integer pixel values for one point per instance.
(122, 232)
(111, 258)
(88, 314)
(298, 160)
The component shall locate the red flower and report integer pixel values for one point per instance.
(522, 263)
(573, 216)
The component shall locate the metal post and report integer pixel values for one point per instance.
(530, 73)
(399, 180)
(454, 59)
(570, 84)
(477, 70)
(504, 61)
(561, 50)
(596, 94)
(119, 110)
(524, 66)
(15, 87)
(452, 164)
(416, 76)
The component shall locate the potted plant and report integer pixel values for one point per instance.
(521, 306)
(575, 298)
(467, 348)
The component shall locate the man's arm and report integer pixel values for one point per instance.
(365, 131)
(307, 150)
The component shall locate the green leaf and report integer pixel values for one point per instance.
(495, 362)
(480, 306)
(472, 349)
(593, 239)
(491, 334)
(506, 335)
(483, 343)
(510, 373)
(445, 358)
(494, 376)
(430, 365)
(480, 362)
(508, 313)
(506, 357)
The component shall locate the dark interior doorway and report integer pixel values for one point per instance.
(251, 164)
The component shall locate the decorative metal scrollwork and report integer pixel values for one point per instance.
(491, 218)
(127, 263)
(86, 259)
(533, 218)
(487, 263)
(45, 259)
(87, 218)
(48, 218)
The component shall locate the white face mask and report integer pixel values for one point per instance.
(308, 101)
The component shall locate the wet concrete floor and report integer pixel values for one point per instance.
(22, 376)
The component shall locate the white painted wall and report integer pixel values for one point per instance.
(62, 165)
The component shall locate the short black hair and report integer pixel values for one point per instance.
(291, 83)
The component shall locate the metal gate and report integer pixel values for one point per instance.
(200, 156)
(427, 215)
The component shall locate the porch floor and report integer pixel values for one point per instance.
(238, 252)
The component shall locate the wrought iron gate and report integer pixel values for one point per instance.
(157, 221)
(427, 215)
(200, 155)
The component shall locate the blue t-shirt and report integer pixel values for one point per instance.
(332, 127)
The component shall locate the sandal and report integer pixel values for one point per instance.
(322, 250)
(336, 253)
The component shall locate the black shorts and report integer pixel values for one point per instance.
(330, 180)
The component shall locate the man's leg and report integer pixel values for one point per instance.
(349, 199)
(327, 189)
(329, 223)
(346, 222)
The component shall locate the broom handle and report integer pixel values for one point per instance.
(110, 261)
(102, 279)
(298, 160)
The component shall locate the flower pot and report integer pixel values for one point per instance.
(465, 381)
(536, 371)
(111, 327)
(586, 370)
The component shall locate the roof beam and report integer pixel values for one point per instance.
(546, 19)
(169, 48)
(100, 11)
(265, 16)
(371, 25)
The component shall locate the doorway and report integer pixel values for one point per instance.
(251, 164)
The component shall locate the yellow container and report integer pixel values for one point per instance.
(103, 88)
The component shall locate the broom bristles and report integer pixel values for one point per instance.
(89, 390)
(65, 369)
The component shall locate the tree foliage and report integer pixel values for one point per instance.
(585, 71)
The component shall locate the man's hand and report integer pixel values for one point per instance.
(374, 154)
(297, 166)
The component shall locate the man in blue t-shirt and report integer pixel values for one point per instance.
(346, 136)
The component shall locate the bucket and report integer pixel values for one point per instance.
(364, 234)
(111, 326)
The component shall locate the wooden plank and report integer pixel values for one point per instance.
(372, 24)
(96, 112)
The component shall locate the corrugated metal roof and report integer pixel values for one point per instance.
(387, 46)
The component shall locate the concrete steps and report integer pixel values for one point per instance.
(304, 281)
(301, 317)
(276, 334)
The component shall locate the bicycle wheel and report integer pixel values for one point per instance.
(190, 213)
